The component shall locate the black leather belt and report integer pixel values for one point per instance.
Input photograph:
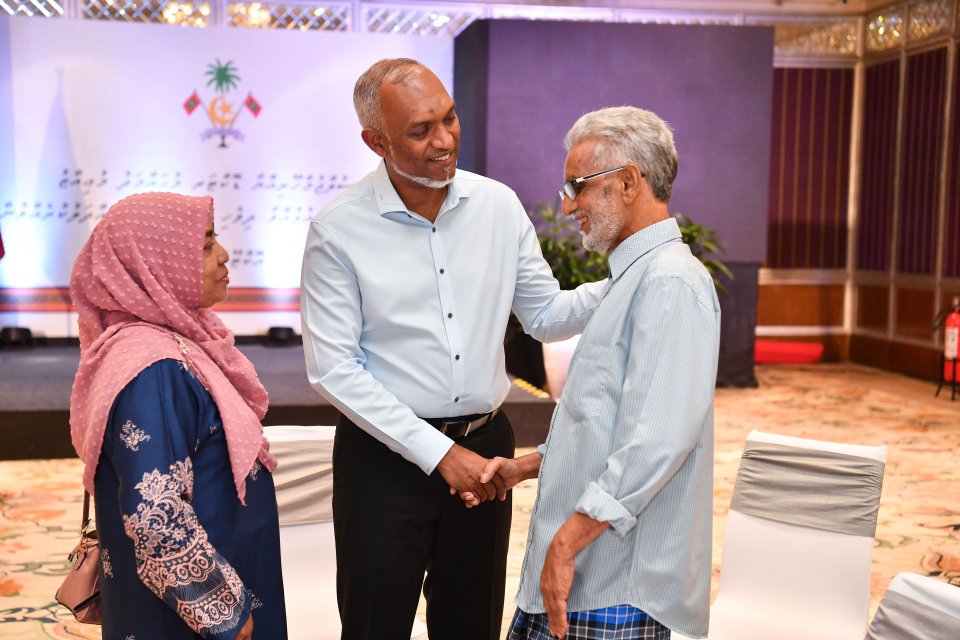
(462, 426)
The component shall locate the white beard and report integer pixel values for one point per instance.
(605, 225)
(426, 182)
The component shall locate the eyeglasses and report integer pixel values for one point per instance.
(572, 188)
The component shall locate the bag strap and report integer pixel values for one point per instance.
(86, 512)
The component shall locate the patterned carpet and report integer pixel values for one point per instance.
(919, 516)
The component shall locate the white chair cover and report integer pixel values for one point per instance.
(304, 481)
(787, 577)
(917, 608)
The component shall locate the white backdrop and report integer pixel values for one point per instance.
(92, 111)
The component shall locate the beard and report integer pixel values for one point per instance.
(605, 225)
(429, 183)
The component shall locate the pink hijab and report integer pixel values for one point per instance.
(137, 286)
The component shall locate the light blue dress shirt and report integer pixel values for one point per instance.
(631, 441)
(403, 318)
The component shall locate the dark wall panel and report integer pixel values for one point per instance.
(873, 307)
(917, 361)
(809, 168)
(711, 83)
(877, 172)
(471, 83)
(914, 313)
(924, 100)
(951, 236)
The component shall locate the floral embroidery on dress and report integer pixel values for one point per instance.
(185, 367)
(132, 435)
(213, 428)
(105, 562)
(255, 470)
(131, 637)
(255, 602)
(175, 559)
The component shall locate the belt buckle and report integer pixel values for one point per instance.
(451, 424)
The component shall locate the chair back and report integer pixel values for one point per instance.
(799, 540)
(916, 607)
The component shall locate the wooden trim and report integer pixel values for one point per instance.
(769, 276)
(873, 307)
(800, 305)
(910, 359)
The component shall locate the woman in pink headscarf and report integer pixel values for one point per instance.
(165, 413)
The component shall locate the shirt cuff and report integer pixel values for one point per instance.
(428, 448)
(600, 505)
(542, 449)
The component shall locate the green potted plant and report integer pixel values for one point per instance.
(573, 265)
(703, 243)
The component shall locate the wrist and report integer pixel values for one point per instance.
(575, 534)
(562, 548)
(530, 466)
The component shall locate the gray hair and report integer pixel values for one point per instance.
(628, 135)
(366, 93)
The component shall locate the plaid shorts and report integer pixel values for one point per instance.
(620, 622)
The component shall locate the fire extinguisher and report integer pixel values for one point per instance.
(951, 337)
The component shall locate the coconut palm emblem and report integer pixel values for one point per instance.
(221, 112)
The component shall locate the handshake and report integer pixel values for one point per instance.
(476, 479)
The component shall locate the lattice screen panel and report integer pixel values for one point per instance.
(302, 16)
(655, 18)
(816, 38)
(190, 14)
(929, 18)
(32, 8)
(552, 12)
(885, 29)
(418, 21)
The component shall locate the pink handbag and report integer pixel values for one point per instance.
(80, 591)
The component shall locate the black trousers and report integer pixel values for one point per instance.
(393, 524)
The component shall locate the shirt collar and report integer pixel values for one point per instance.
(642, 242)
(388, 200)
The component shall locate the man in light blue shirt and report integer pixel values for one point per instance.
(408, 281)
(620, 536)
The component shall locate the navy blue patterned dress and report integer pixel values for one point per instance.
(181, 557)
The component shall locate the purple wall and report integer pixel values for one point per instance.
(519, 85)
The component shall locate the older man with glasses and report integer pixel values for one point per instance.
(620, 536)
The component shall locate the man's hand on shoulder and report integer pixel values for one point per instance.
(461, 469)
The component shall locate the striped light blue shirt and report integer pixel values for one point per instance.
(631, 442)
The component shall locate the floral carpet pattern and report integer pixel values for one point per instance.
(919, 520)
